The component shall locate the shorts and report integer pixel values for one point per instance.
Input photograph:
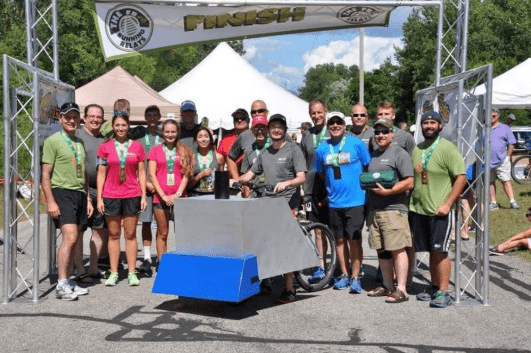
(388, 230)
(347, 222)
(72, 205)
(122, 207)
(147, 215)
(161, 206)
(318, 214)
(431, 233)
(97, 220)
(502, 172)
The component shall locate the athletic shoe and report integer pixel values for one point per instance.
(287, 297)
(145, 267)
(133, 279)
(342, 282)
(427, 295)
(441, 299)
(355, 285)
(77, 289)
(317, 276)
(494, 251)
(112, 280)
(65, 292)
(515, 205)
(493, 206)
(362, 272)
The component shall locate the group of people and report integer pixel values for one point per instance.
(92, 181)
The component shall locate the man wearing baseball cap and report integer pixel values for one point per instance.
(66, 187)
(260, 133)
(439, 171)
(339, 161)
(284, 169)
(510, 120)
(189, 127)
(241, 124)
(389, 232)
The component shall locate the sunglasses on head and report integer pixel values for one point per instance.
(355, 115)
(258, 111)
(381, 132)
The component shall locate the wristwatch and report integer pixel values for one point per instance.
(179, 194)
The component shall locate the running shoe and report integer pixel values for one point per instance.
(133, 279)
(494, 251)
(342, 282)
(112, 280)
(317, 276)
(493, 206)
(287, 297)
(441, 299)
(515, 205)
(355, 285)
(145, 267)
(65, 292)
(427, 295)
(77, 289)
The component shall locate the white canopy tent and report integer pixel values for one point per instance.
(224, 82)
(512, 89)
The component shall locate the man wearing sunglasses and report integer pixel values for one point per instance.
(241, 124)
(339, 161)
(440, 177)
(359, 127)
(389, 232)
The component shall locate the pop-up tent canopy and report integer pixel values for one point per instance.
(224, 82)
(512, 89)
(117, 84)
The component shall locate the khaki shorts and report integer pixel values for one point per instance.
(388, 230)
(502, 172)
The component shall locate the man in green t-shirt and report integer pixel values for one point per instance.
(439, 171)
(66, 190)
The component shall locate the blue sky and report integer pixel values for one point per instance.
(286, 58)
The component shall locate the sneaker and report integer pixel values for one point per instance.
(317, 276)
(112, 280)
(145, 267)
(493, 206)
(355, 285)
(342, 282)
(77, 289)
(494, 251)
(441, 299)
(427, 295)
(133, 279)
(515, 205)
(287, 297)
(65, 292)
(362, 272)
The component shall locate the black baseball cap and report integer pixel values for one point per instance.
(278, 117)
(65, 108)
(242, 112)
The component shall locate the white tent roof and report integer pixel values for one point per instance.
(512, 89)
(224, 82)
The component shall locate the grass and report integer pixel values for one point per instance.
(506, 222)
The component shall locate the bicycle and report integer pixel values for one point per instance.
(325, 250)
(521, 166)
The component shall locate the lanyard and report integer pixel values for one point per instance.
(426, 159)
(122, 153)
(317, 142)
(335, 156)
(267, 144)
(73, 146)
(148, 143)
(170, 157)
(209, 160)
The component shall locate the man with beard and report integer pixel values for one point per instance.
(440, 178)
(284, 169)
(339, 161)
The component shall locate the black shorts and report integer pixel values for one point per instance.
(97, 220)
(318, 214)
(72, 205)
(431, 233)
(347, 222)
(161, 206)
(122, 207)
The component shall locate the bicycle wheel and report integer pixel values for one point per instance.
(521, 170)
(325, 251)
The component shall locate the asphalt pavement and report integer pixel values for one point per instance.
(132, 319)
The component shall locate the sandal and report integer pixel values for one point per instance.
(397, 297)
(379, 291)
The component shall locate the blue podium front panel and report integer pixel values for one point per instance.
(223, 278)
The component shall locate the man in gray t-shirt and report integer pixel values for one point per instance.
(359, 127)
(401, 138)
(284, 169)
(389, 232)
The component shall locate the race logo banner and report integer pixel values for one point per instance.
(127, 28)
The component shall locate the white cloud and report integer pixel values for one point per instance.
(377, 49)
(255, 48)
(288, 77)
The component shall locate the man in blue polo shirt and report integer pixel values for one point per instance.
(339, 161)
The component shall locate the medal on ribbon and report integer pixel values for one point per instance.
(122, 157)
(170, 162)
(77, 160)
(204, 185)
(426, 159)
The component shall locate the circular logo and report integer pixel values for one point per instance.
(358, 14)
(376, 175)
(128, 27)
